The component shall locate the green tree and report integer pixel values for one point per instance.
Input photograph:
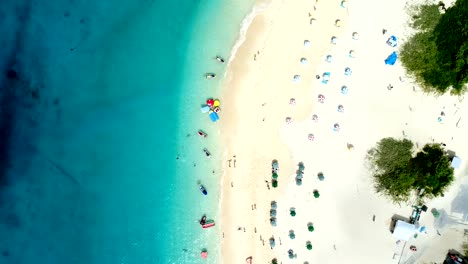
(431, 170)
(388, 163)
(397, 173)
(437, 54)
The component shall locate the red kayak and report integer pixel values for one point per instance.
(202, 134)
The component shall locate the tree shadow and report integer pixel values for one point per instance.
(460, 203)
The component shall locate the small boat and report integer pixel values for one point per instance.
(207, 153)
(210, 75)
(206, 223)
(202, 134)
(218, 58)
(203, 189)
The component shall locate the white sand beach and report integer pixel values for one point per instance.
(351, 221)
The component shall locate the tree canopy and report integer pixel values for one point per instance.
(398, 173)
(437, 54)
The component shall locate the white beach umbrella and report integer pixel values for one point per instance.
(352, 54)
(334, 40)
(307, 43)
(337, 23)
(304, 61)
(296, 78)
(329, 58)
(355, 35)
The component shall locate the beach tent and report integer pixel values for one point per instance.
(274, 205)
(403, 230)
(456, 162)
(391, 59)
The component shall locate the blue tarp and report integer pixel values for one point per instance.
(214, 116)
(391, 59)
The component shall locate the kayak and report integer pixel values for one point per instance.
(207, 153)
(218, 58)
(203, 189)
(202, 134)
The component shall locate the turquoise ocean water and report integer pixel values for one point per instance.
(98, 99)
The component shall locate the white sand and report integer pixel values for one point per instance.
(256, 103)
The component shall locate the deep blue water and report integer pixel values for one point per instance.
(90, 128)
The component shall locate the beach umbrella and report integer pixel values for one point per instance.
(344, 89)
(274, 175)
(301, 166)
(333, 40)
(336, 127)
(292, 101)
(304, 61)
(350, 146)
(204, 254)
(311, 137)
(392, 41)
(312, 21)
(289, 120)
(292, 211)
(274, 164)
(274, 261)
(309, 245)
(344, 4)
(274, 205)
(296, 78)
(291, 254)
(298, 182)
(347, 71)
(310, 227)
(273, 221)
(273, 213)
(355, 35)
(272, 242)
(299, 174)
(320, 176)
(352, 54)
(291, 234)
(210, 102)
(216, 103)
(316, 194)
(315, 118)
(337, 23)
(340, 108)
(274, 183)
(329, 58)
(307, 43)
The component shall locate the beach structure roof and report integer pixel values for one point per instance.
(391, 59)
(403, 230)
(456, 162)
